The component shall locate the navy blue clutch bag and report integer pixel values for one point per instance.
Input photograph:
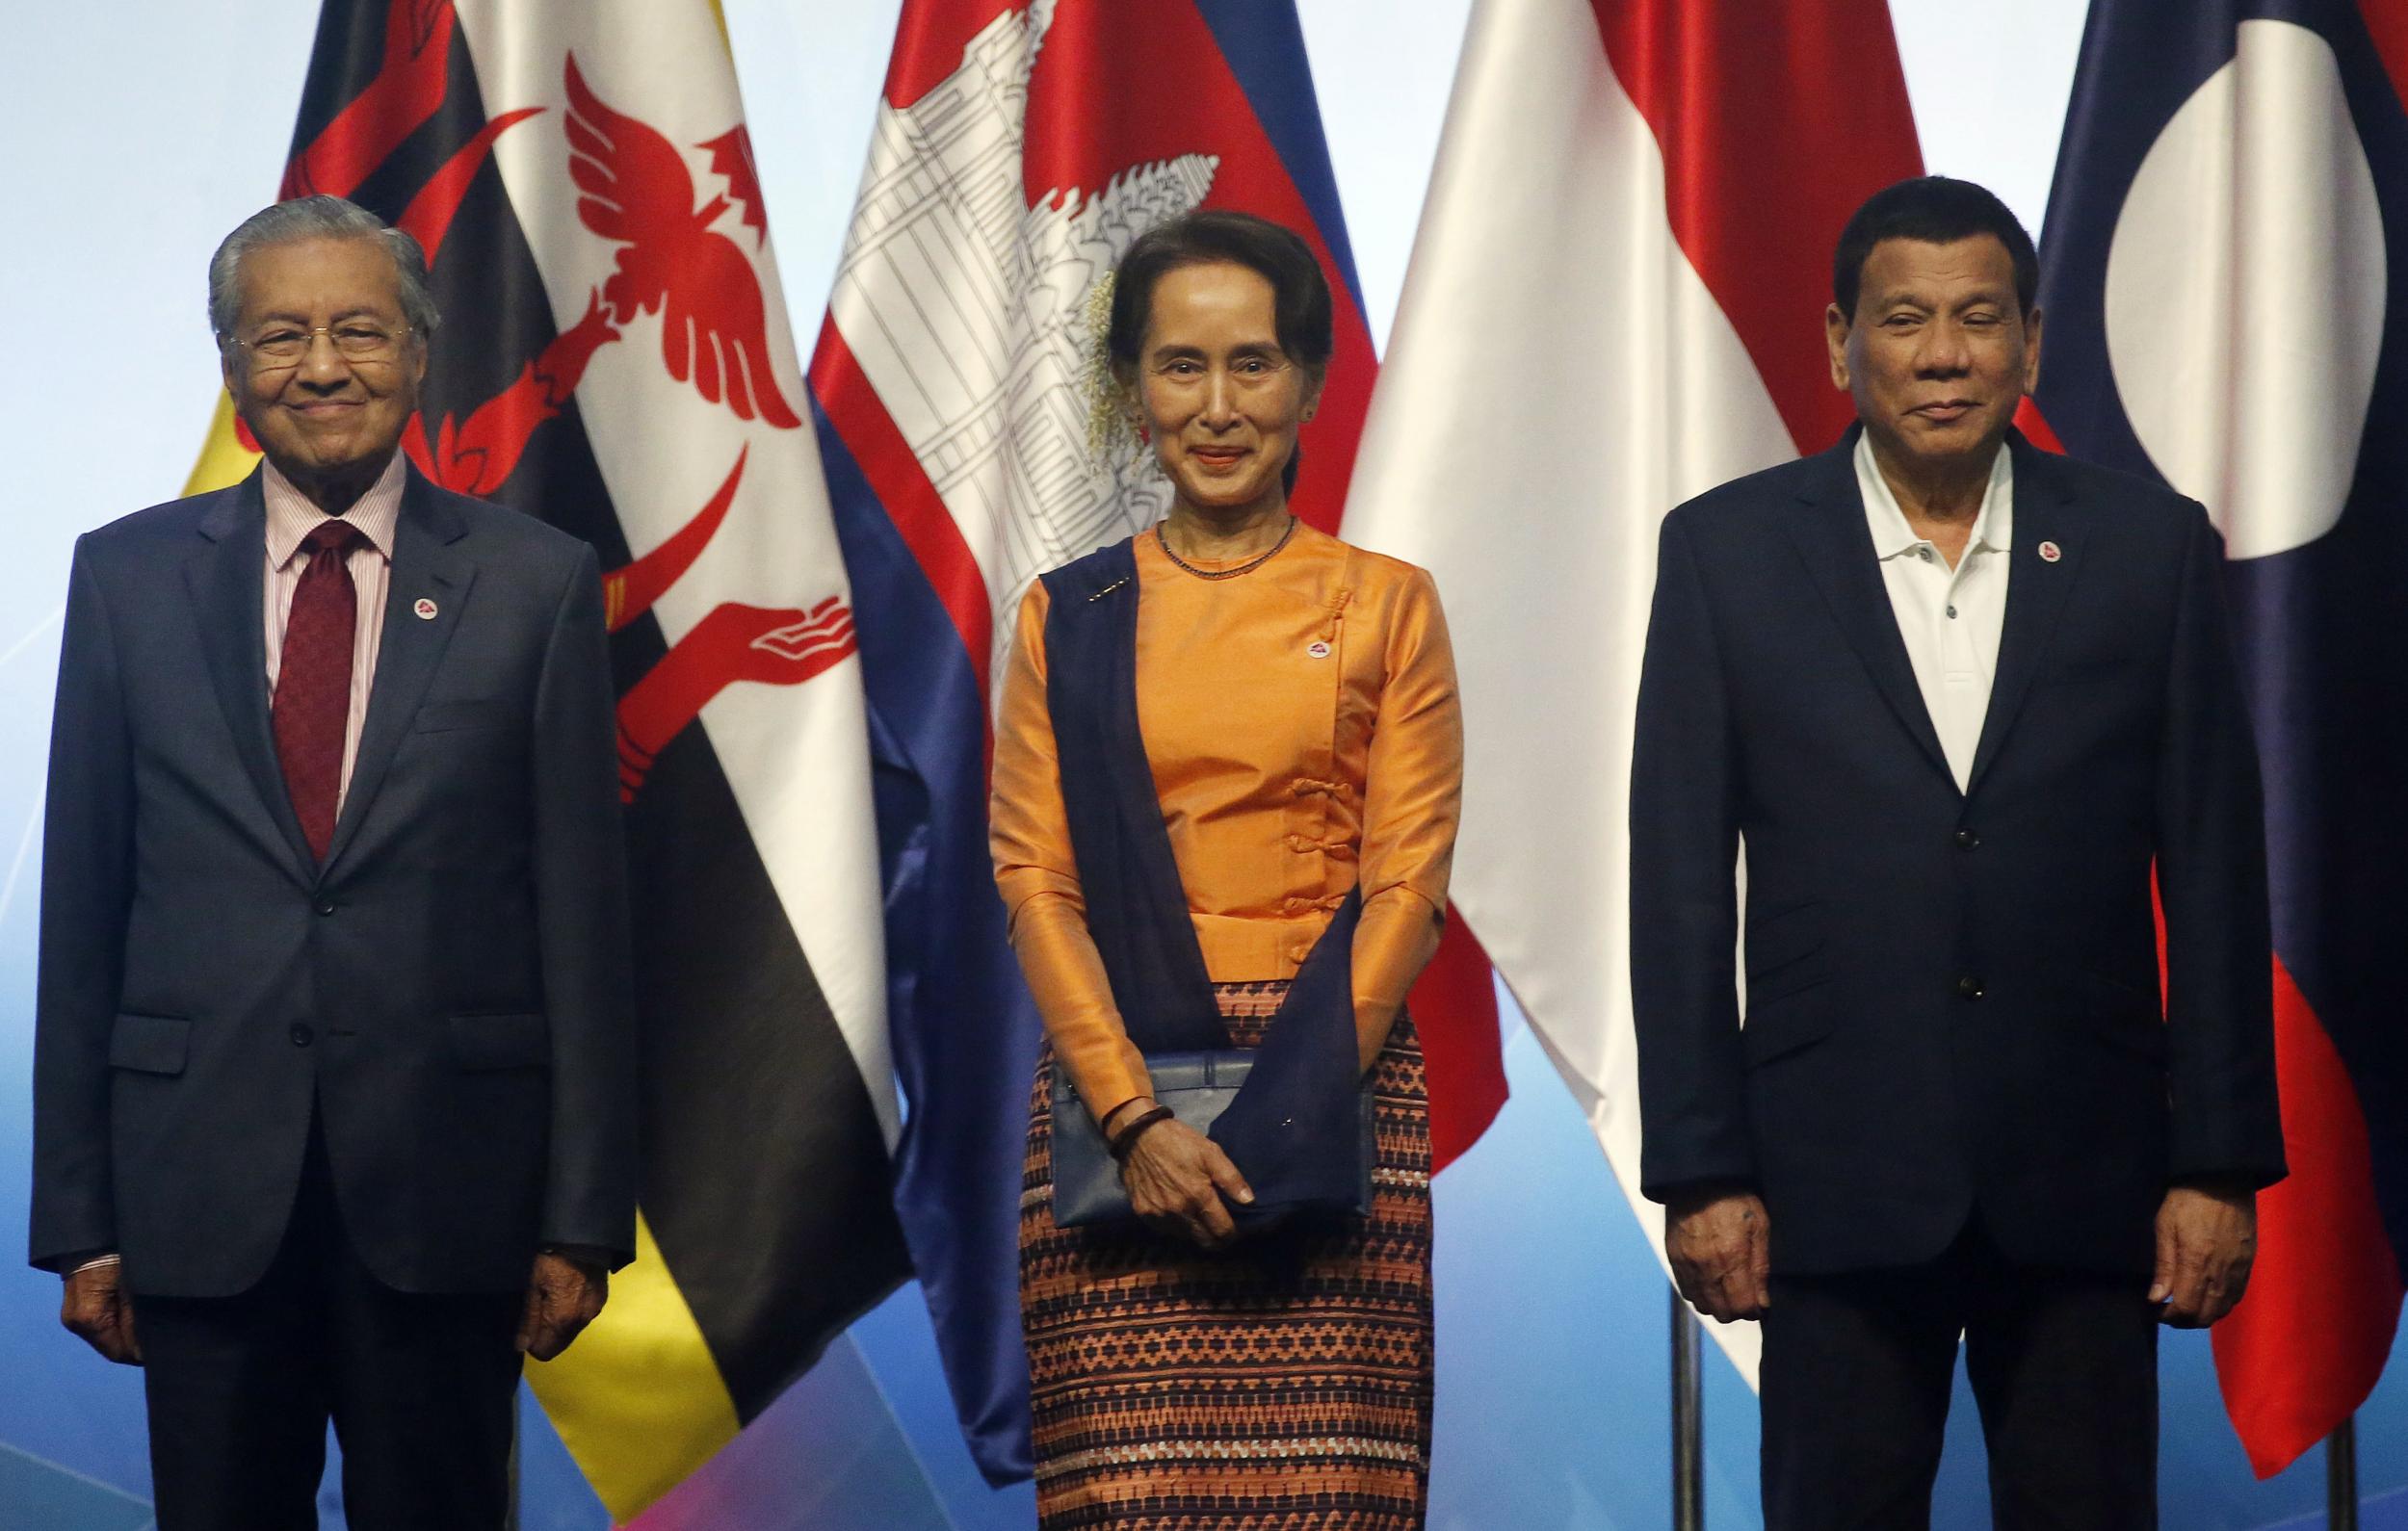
(1196, 1087)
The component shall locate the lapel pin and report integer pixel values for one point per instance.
(2050, 553)
(1319, 649)
(426, 608)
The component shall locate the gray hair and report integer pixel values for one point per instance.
(309, 217)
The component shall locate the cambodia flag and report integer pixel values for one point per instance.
(1020, 147)
(616, 358)
(2229, 220)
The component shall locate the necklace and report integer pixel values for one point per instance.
(1248, 567)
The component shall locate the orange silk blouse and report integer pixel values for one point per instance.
(1302, 726)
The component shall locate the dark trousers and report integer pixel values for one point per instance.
(420, 1388)
(1855, 1386)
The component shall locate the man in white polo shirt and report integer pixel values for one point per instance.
(1960, 701)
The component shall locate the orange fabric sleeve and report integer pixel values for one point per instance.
(1412, 800)
(1028, 834)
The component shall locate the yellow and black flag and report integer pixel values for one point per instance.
(616, 358)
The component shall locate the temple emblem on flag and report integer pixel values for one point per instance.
(943, 227)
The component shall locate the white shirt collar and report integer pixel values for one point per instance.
(291, 516)
(1994, 529)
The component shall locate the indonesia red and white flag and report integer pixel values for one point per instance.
(1614, 303)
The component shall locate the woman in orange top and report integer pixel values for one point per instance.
(1295, 702)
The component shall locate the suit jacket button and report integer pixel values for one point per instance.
(1969, 986)
(301, 1035)
(323, 906)
(1966, 839)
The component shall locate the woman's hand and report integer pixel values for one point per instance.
(1176, 1177)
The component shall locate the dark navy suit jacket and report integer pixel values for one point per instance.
(451, 989)
(1954, 1006)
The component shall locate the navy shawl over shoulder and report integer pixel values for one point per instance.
(1295, 1129)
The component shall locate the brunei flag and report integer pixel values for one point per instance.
(615, 359)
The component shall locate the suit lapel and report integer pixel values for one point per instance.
(1837, 547)
(227, 578)
(427, 566)
(2036, 591)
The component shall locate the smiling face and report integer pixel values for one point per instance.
(1938, 353)
(1220, 399)
(330, 423)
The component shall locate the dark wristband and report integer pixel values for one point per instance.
(1127, 1138)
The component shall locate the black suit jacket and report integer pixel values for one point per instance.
(1953, 997)
(451, 989)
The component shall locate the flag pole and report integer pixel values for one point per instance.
(2341, 1476)
(1688, 1423)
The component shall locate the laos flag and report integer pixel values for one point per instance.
(2225, 281)
(1021, 145)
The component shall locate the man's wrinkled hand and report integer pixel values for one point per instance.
(1720, 1247)
(99, 1310)
(2207, 1240)
(563, 1295)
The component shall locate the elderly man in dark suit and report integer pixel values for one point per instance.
(334, 1074)
(1958, 699)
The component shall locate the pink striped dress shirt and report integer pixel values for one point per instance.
(291, 517)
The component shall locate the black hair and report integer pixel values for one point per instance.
(1301, 306)
(1931, 210)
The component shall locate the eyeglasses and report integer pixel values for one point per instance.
(355, 339)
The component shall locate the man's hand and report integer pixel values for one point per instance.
(2207, 1240)
(100, 1312)
(1721, 1246)
(563, 1297)
(1176, 1177)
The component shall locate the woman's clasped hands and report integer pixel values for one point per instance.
(1181, 1183)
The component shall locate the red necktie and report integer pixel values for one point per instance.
(313, 684)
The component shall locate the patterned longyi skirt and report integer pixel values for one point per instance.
(1283, 1384)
